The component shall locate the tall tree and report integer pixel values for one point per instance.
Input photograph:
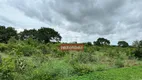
(43, 35)
(7, 33)
(89, 43)
(48, 34)
(32, 33)
(101, 42)
(123, 44)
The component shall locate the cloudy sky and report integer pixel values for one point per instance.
(77, 20)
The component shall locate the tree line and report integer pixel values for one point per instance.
(47, 35)
(104, 42)
(42, 35)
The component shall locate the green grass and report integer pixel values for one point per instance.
(37, 61)
(131, 73)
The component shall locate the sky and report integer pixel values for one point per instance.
(77, 20)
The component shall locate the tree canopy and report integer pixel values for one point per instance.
(137, 43)
(43, 34)
(123, 44)
(7, 33)
(48, 34)
(32, 33)
(101, 42)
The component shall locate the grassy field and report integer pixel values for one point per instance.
(131, 73)
(31, 60)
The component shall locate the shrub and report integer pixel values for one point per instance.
(31, 42)
(138, 53)
(81, 69)
(20, 65)
(3, 47)
(6, 69)
(119, 63)
(52, 70)
(101, 67)
(12, 40)
(44, 49)
(82, 57)
(26, 50)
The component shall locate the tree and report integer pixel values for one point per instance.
(48, 34)
(32, 33)
(123, 44)
(7, 33)
(136, 44)
(43, 35)
(138, 50)
(89, 43)
(140, 43)
(101, 42)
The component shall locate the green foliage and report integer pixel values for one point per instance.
(3, 47)
(48, 34)
(7, 68)
(136, 44)
(123, 44)
(7, 33)
(26, 50)
(39, 61)
(81, 69)
(44, 49)
(52, 70)
(88, 44)
(119, 63)
(32, 42)
(20, 65)
(12, 40)
(101, 42)
(32, 33)
(133, 73)
(138, 53)
(81, 57)
(43, 35)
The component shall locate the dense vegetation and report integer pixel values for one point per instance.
(30, 55)
(43, 34)
(131, 73)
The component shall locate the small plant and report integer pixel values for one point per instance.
(101, 67)
(119, 63)
(81, 69)
(20, 65)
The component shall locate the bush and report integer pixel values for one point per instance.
(3, 47)
(44, 49)
(20, 65)
(81, 69)
(52, 70)
(26, 50)
(7, 68)
(101, 67)
(119, 63)
(31, 42)
(138, 53)
(82, 57)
